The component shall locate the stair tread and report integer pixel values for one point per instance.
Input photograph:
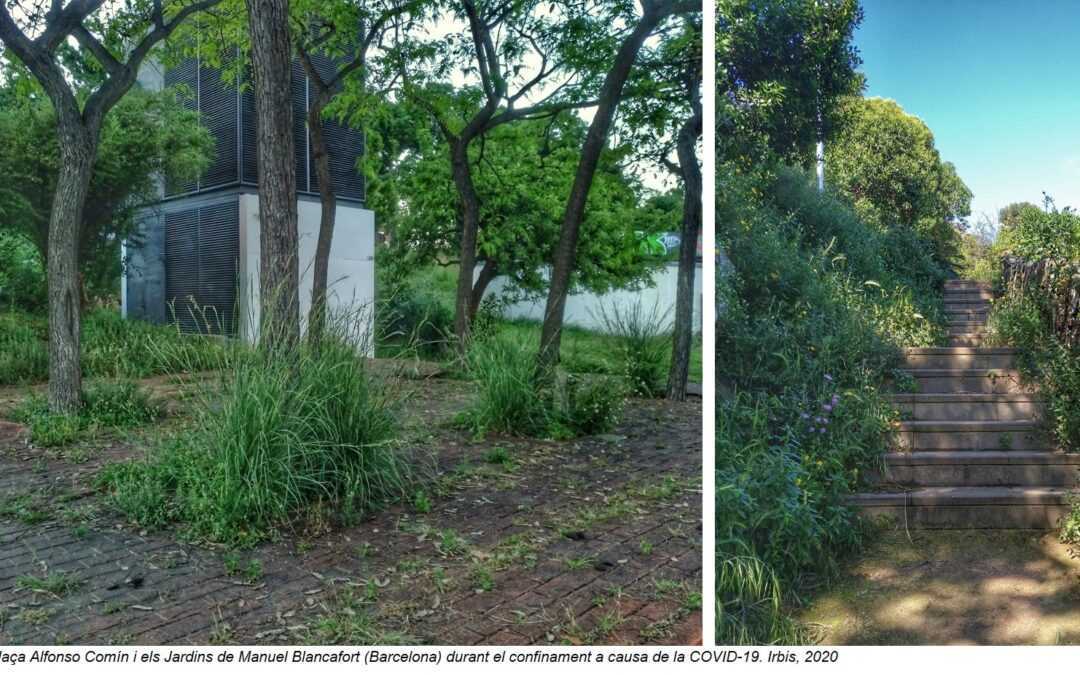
(971, 457)
(966, 425)
(961, 350)
(965, 496)
(963, 397)
(958, 372)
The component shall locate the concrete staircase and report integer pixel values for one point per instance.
(969, 451)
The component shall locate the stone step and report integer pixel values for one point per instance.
(960, 358)
(958, 407)
(954, 284)
(964, 302)
(1036, 508)
(945, 468)
(969, 435)
(965, 325)
(966, 339)
(966, 294)
(959, 315)
(970, 381)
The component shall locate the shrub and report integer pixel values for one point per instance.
(642, 343)
(590, 405)
(1022, 319)
(814, 309)
(280, 435)
(24, 354)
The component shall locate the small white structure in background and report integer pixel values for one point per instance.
(196, 259)
(586, 310)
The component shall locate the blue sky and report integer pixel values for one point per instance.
(998, 83)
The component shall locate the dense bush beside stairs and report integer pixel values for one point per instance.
(280, 441)
(1038, 253)
(814, 311)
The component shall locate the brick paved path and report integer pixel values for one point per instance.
(596, 540)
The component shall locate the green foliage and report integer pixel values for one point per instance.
(778, 66)
(146, 136)
(814, 310)
(277, 437)
(22, 274)
(1022, 319)
(112, 347)
(512, 400)
(885, 162)
(106, 405)
(643, 344)
(522, 173)
(1032, 233)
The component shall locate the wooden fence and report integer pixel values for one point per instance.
(1060, 281)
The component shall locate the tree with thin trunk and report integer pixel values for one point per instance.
(654, 13)
(118, 39)
(501, 40)
(348, 49)
(279, 271)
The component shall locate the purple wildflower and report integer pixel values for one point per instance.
(804, 416)
(828, 377)
(827, 407)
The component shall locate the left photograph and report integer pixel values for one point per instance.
(347, 322)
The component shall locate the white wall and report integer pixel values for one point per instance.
(583, 309)
(351, 270)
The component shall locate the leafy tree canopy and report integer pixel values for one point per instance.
(1033, 233)
(522, 173)
(145, 136)
(885, 162)
(781, 67)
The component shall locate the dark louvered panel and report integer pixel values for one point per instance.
(218, 106)
(182, 267)
(249, 151)
(299, 104)
(218, 252)
(184, 76)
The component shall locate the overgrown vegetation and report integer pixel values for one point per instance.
(814, 311)
(112, 347)
(106, 405)
(512, 400)
(280, 439)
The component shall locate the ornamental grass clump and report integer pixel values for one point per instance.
(281, 434)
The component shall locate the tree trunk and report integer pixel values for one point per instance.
(78, 149)
(691, 227)
(470, 226)
(279, 275)
(483, 280)
(595, 141)
(320, 153)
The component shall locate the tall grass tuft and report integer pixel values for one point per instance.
(512, 399)
(643, 344)
(280, 435)
(750, 605)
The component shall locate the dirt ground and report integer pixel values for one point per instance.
(590, 541)
(954, 587)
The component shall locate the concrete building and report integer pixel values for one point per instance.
(196, 259)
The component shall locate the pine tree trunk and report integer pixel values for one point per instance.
(77, 153)
(691, 227)
(595, 142)
(320, 153)
(279, 275)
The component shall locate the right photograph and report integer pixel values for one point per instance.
(898, 323)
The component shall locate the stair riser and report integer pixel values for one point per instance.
(976, 384)
(961, 327)
(952, 475)
(967, 316)
(968, 295)
(973, 411)
(967, 440)
(961, 361)
(980, 517)
(966, 340)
